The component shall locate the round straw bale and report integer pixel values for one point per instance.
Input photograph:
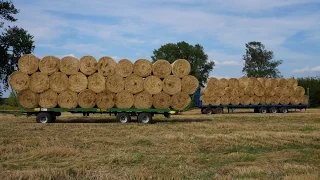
(180, 101)
(115, 83)
(172, 84)
(19, 81)
(292, 82)
(254, 100)
(133, 84)
(58, 82)
(69, 65)
(97, 82)
(161, 68)
(262, 100)
(28, 63)
(249, 90)
(153, 84)
(271, 83)
(48, 99)
(78, 82)
(189, 84)
(287, 91)
(262, 81)
(212, 82)
(233, 82)
(270, 91)
(68, 99)
(142, 67)
(304, 99)
(238, 91)
(272, 99)
(284, 100)
(245, 100)
(28, 99)
(225, 100)
(39, 82)
(259, 90)
(181, 68)
(124, 67)
(228, 91)
(124, 99)
(107, 66)
(278, 91)
(223, 83)
(218, 91)
(234, 100)
(88, 65)
(210, 100)
(299, 91)
(202, 91)
(282, 82)
(49, 64)
(161, 100)
(143, 100)
(294, 100)
(253, 82)
(243, 82)
(87, 98)
(105, 99)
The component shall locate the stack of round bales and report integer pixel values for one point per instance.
(102, 83)
(253, 91)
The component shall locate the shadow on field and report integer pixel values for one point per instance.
(187, 120)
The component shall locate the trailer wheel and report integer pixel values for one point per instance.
(273, 110)
(145, 118)
(207, 111)
(123, 117)
(218, 110)
(44, 117)
(263, 110)
(256, 110)
(284, 110)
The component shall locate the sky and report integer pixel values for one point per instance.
(133, 29)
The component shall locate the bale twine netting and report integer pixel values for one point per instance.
(134, 84)
(180, 101)
(124, 99)
(28, 98)
(69, 65)
(124, 68)
(28, 64)
(68, 99)
(172, 84)
(142, 67)
(78, 82)
(153, 84)
(19, 81)
(88, 65)
(97, 82)
(105, 99)
(58, 82)
(39, 82)
(181, 68)
(107, 66)
(49, 64)
(48, 99)
(115, 83)
(87, 98)
(161, 100)
(189, 84)
(161, 68)
(143, 100)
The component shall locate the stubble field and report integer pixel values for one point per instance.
(187, 146)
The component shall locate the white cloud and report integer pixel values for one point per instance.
(307, 70)
(228, 63)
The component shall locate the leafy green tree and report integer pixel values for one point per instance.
(259, 63)
(14, 42)
(200, 66)
(313, 83)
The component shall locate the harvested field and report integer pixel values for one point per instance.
(192, 145)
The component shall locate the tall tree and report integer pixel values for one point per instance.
(259, 63)
(14, 42)
(200, 66)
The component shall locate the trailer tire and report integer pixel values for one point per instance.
(273, 110)
(123, 117)
(263, 110)
(284, 110)
(218, 110)
(145, 118)
(207, 110)
(44, 117)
